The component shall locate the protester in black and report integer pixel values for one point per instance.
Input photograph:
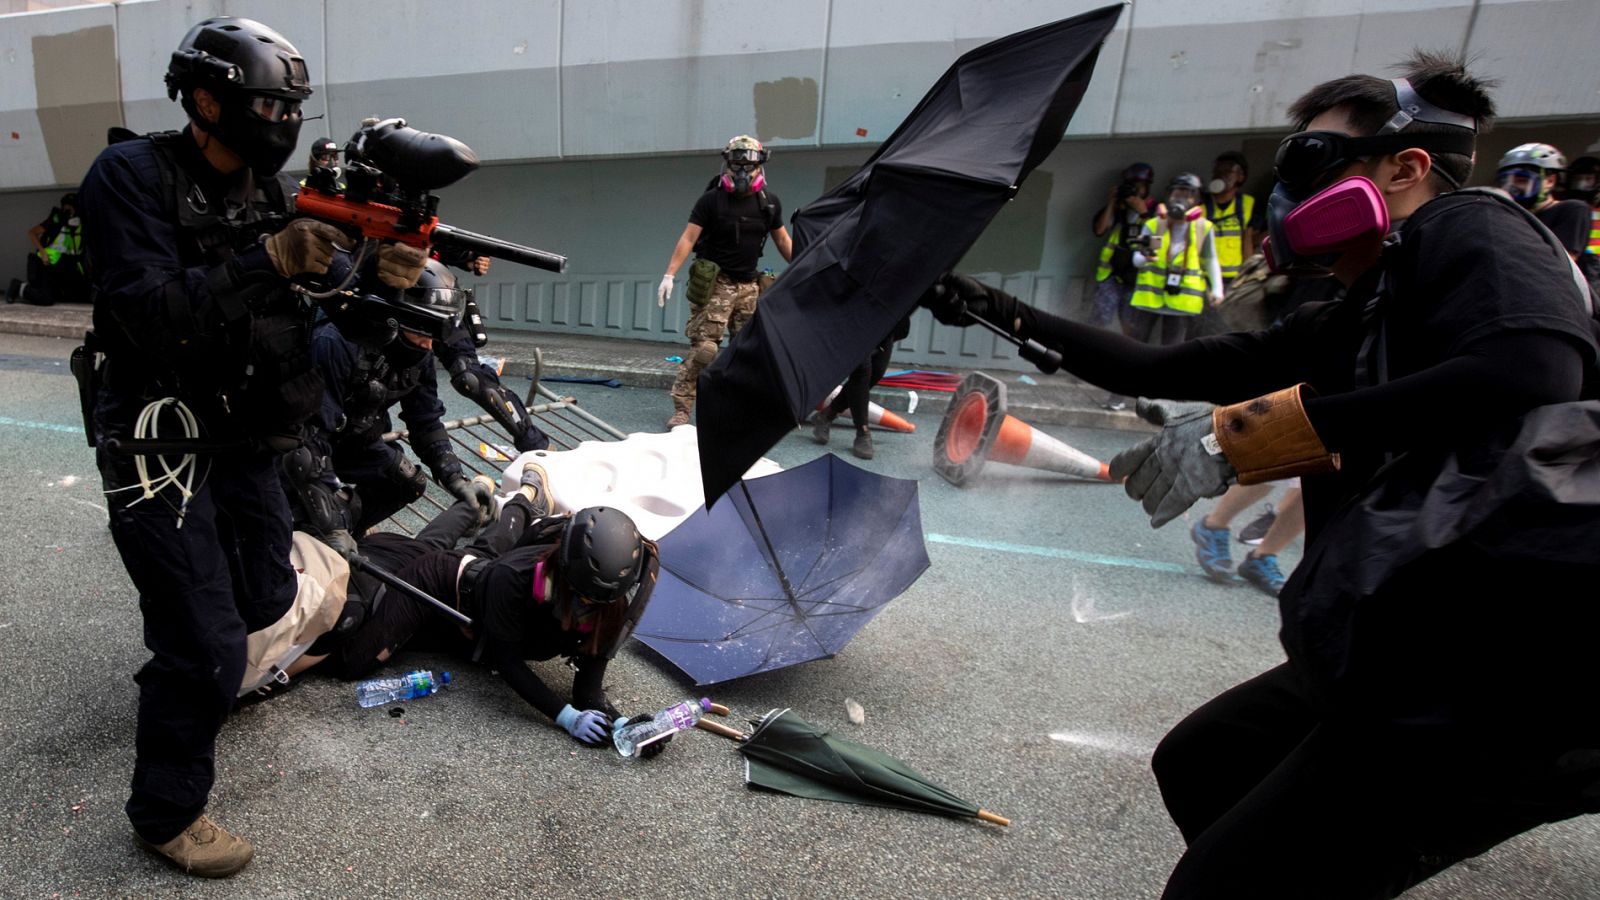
(856, 394)
(535, 587)
(1453, 725)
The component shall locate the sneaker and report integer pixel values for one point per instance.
(534, 487)
(1262, 571)
(678, 418)
(1114, 404)
(205, 849)
(862, 448)
(820, 425)
(1211, 549)
(1253, 533)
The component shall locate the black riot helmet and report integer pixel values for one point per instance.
(324, 152)
(602, 554)
(257, 77)
(433, 306)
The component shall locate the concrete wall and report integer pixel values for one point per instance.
(598, 121)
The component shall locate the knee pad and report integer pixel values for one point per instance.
(704, 352)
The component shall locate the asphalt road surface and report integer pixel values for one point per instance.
(1031, 669)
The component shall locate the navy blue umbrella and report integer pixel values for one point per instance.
(786, 570)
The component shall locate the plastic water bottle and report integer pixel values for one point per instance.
(379, 691)
(634, 735)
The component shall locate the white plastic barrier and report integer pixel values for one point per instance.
(654, 478)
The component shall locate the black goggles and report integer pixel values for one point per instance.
(746, 158)
(1307, 157)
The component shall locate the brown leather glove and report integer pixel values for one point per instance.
(400, 265)
(1269, 438)
(305, 245)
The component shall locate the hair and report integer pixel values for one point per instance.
(1235, 157)
(1440, 78)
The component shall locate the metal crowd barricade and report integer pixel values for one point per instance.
(484, 446)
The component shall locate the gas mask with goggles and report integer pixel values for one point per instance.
(1183, 196)
(1313, 219)
(742, 161)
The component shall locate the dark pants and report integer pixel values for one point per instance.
(1275, 801)
(385, 481)
(426, 562)
(857, 391)
(202, 588)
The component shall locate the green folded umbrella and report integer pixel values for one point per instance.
(788, 754)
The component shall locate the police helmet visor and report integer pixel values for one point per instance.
(275, 109)
(441, 303)
(1307, 159)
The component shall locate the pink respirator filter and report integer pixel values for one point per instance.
(1343, 216)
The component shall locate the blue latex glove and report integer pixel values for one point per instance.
(591, 726)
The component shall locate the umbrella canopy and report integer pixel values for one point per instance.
(786, 572)
(865, 251)
(787, 754)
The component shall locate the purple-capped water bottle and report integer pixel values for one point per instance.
(643, 732)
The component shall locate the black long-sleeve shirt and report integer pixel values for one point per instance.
(1483, 324)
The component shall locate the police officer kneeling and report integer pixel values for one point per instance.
(204, 340)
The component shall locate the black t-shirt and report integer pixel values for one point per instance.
(734, 229)
(1569, 221)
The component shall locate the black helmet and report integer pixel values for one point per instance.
(433, 306)
(257, 76)
(602, 554)
(1184, 179)
(323, 148)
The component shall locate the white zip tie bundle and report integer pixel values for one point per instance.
(183, 474)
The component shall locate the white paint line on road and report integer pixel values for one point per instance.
(1098, 559)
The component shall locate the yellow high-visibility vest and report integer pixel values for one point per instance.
(1150, 291)
(1230, 223)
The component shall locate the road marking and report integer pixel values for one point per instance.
(1098, 559)
(42, 426)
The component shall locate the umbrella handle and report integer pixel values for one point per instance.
(1043, 358)
(987, 816)
(732, 734)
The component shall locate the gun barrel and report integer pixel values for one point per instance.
(483, 245)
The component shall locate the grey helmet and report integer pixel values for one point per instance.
(1523, 169)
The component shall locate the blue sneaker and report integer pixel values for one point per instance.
(1262, 571)
(1211, 549)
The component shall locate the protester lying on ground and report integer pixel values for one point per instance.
(535, 586)
(1435, 701)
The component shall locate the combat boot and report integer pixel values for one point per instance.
(205, 849)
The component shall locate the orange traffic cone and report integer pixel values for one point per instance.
(877, 416)
(976, 429)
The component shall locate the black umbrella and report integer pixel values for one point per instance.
(786, 572)
(789, 755)
(865, 251)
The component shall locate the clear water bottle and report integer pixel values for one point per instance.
(641, 732)
(379, 691)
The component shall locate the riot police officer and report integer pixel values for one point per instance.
(203, 339)
(370, 358)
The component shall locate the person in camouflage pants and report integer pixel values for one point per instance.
(731, 305)
(728, 227)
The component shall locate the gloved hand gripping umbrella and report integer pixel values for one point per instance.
(865, 251)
